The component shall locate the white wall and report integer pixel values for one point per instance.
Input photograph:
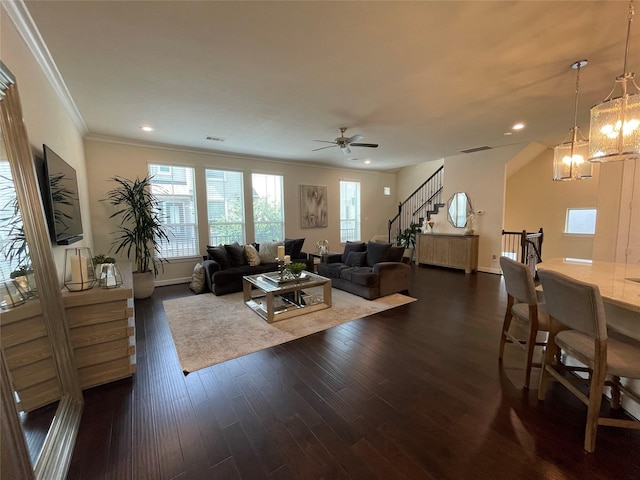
(527, 199)
(533, 200)
(411, 177)
(482, 176)
(618, 230)
(46, 119)
(106, 159)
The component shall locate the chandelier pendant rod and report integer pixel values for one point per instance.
(614, 133)
(624, 78)
(626, 48)
(573, 170)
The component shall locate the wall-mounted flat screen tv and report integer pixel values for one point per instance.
(65, 222)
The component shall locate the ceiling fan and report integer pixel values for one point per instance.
(345, 142)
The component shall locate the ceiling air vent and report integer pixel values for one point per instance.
(215, 139)
(476, 149)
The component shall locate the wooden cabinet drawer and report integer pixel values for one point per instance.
(105, 372)
(103, 352)
(100, 333)
(97, 313)
(454, 251)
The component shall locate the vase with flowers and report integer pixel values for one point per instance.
(323, 247)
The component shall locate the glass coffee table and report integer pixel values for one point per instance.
(275, 299)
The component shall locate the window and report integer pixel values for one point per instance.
(225, 207)
(581, 221)
(11, 225)
(268, 207)
(349, 211)
(174, 188)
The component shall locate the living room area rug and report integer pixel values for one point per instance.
(207, 329)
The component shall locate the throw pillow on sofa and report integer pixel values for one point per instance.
(197, 279)
(253, 258)
(219, 254)
(269, 251)
(356, 259)
(236, 254)
(377, 252)
(352, 247)
(293, 247)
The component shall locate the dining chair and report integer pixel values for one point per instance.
(522, 303)
(578, 326)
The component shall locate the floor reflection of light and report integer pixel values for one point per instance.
(524, 437)
(549, 470)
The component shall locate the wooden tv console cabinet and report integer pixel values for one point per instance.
(454, 251)
(102, 330)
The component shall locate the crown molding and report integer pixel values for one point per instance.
(214, 153)
(21, 18)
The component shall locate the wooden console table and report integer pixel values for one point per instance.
(453, 251)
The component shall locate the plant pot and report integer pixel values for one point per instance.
(28, 283)
(408, 253)
(143, 284)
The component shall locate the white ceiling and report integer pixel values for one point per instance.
(425, 80)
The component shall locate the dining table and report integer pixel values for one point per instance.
(619, 285)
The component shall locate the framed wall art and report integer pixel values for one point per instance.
(313, 206)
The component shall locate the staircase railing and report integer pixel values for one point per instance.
(421, 204)
(524, 247)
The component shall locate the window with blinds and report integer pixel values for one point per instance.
(174, 187)
(349, 211)
(225, 207)
(9, 225)
(268, 207)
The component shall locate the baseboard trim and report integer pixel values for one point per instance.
(172, 281)
(497, 271)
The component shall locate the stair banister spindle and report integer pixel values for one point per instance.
(425, 200)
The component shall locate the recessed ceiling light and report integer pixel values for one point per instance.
(367, 161)
(506, 134)
(146, 128)
(518, 126)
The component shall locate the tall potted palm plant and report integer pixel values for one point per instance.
(140, 230)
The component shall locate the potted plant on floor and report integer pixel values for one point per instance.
(407, 239)
(140, 230)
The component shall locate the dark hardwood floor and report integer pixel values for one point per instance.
(411, 393)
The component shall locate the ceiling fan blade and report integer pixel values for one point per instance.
(322, 148)
(325, 141)
(371, 145)
(355, 138)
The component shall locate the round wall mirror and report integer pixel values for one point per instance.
(459, 209)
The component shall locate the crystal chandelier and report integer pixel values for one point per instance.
(615, 123)
(570, 157)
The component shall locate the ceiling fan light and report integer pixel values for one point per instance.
(345, 149)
